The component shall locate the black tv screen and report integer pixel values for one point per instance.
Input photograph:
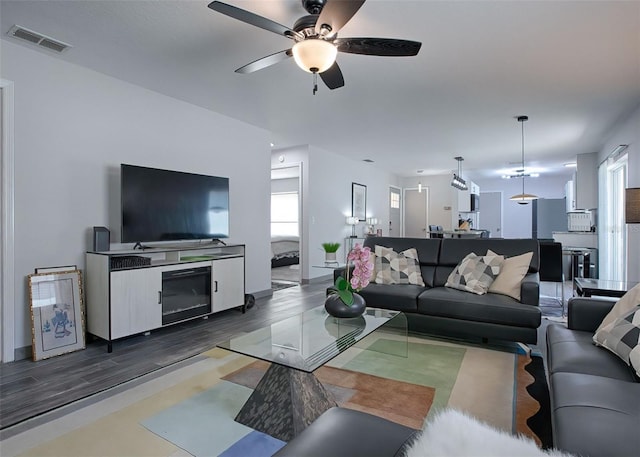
(164, 205)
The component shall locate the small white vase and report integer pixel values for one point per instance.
(330, 257)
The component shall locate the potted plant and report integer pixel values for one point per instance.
(343, 301)
(330, 250)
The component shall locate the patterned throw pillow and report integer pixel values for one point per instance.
(475, 273)
(622, 337)
(627, 302)
(393, 267)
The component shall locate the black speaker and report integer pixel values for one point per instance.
(101, 239)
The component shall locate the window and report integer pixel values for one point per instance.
(395, 200)
(284, 214)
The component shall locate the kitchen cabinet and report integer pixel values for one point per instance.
(586, 182)
(570, 195)
(464, 197)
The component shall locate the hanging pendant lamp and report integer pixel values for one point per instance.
(457, 180)
(523, 198)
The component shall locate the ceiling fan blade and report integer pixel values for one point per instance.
(336, 13)
(333, 76)
(378, 46)
(253, 19)
(265, 62)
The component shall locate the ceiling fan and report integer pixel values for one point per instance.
(316, 39)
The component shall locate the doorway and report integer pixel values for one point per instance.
(395, 218)
(286, 239)
(416, 213)
(491, 213)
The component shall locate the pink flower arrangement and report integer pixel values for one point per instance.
(362, 267)
(362, 261)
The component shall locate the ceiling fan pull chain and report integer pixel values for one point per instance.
(315, 82)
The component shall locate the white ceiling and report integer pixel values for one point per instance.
(572, 66)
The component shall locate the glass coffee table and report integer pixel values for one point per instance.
(289, 397)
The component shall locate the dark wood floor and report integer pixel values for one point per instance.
(28, 389)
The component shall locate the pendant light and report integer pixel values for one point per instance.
(457, 180)
(523, 198)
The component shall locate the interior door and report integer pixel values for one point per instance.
(415, 213)
(394, 211)
(491, 213)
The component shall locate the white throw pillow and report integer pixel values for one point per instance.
(512, 272)
(452, 433)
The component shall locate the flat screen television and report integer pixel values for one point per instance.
(165, 205)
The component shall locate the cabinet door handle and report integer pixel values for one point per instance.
(216, 283)
(159, 297)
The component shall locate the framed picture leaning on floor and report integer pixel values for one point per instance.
(57, 313)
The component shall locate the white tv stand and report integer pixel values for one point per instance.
(135, 291)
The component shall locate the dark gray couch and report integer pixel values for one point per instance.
(342, 432)
(595, 396)
(440, 310)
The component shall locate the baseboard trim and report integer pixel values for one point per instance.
(317, 279)
(263, 293)
(22, 353)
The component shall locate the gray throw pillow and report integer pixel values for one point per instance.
(475, 273)
(393, 267)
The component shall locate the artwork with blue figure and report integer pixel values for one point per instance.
(55, 305)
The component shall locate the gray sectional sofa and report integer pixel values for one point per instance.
(595, 396)
(440, 310)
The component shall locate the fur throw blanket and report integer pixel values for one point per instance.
(452, 433)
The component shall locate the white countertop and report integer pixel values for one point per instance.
(576, 239)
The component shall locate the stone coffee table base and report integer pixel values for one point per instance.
(285, 402)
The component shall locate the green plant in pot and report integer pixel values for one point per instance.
(344, 301)
(330, 250)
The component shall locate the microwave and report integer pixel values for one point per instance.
(579, 221)
(475, 202)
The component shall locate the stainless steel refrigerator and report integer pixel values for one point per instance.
(549, 215)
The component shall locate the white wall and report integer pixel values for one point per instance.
(73, 128)
(326, 199)
(628, 132)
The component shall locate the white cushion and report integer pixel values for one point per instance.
(452, 433)
(512, 272)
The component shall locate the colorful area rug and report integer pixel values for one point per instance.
(191, 411)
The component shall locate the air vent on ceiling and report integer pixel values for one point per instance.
(39, 39)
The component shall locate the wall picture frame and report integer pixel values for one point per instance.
(57, 313)
(359, 201)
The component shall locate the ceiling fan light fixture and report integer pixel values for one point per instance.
(314, 55)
